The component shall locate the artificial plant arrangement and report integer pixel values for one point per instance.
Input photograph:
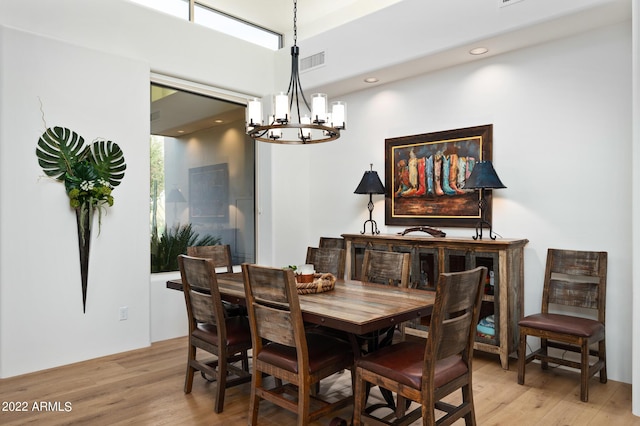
(89, 174)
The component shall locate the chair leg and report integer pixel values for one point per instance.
(254, 400)
(467, 396)
(545, 351)
(359, 398)
(584, 370)
(304, 404)
(221, 386)
(429, 411)
(602, 355)
(522, 355)
(188, 380)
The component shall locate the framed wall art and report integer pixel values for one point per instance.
(425, 177)
(209, 193)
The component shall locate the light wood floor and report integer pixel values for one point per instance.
(145, 387)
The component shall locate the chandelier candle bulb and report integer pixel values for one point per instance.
(254, 112)
(281, 110)
(339, 114)
(319, 107)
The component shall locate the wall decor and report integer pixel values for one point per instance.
(209, 193)
(89, 174)
(425, 177)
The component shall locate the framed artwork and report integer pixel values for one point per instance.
(209, 193)
(425, 177)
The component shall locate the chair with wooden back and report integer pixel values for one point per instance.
(577, 280)
(228, 338)
(332, 242)
(389, 268)
(282, 348)
(223, 263)
(220, 254)
(428, 371)
(386, 267)
(331, 260)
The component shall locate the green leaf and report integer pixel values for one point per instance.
(108, 160)
(58, 150)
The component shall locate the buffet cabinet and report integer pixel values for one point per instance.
(503, 294)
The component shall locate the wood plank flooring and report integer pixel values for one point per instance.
(145, 387)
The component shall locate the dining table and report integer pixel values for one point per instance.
(356, 308)
(352, 306)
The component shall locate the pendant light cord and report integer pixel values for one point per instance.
(295, 23)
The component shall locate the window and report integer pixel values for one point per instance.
(202, 176)
(218, 21)
(177, 8)
(235, 27)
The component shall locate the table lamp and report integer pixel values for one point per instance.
(483, 177)
(370, 184)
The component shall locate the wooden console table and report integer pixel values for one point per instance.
(432, 255)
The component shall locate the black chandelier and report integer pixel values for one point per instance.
(315, 123)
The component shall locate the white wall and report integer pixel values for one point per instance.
(561, 145)
(90, 65)
(41, 298)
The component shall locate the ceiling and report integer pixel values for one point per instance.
(355, 25)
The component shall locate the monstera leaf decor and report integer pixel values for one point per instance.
(89, 174)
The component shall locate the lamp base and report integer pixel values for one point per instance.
(374, 227)
(479, 227)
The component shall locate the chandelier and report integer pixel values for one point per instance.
(315, 123)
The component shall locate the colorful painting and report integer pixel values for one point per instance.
(425, 177)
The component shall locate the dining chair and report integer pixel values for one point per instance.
(211, 330)
(220, 254)
(389, 268)
(575, 280)
(427, 370)
(332, 242)
(386, 267)
(324, 259)
(282, 348)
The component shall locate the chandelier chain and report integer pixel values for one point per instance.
(295, 23)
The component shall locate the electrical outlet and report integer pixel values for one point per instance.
(124, 313)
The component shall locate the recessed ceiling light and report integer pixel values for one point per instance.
(371, 80)
(218, 121)
(180, 131)
(478, 51)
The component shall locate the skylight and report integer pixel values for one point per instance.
(218, 21)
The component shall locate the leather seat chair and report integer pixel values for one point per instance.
(211, 330)
(296, 358)
(426, 371)
(575, 280)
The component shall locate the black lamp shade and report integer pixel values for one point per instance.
(370, 184)
(483, 175)
(175, 196)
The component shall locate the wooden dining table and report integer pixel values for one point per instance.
(352, 306)
(355, 307)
